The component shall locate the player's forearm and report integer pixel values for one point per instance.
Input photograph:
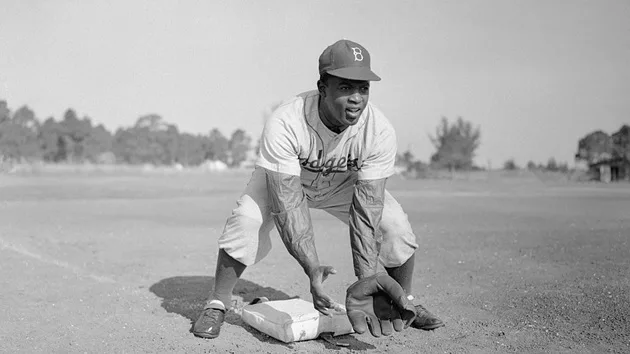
(366, 212)
(292, 217)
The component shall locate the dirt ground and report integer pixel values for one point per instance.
(123, 263)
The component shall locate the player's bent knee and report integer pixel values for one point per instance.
(248, 207)
(396, 252)
(246, 238)
(399, 243)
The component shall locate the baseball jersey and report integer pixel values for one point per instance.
(295, 141)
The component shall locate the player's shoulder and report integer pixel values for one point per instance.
(376, 118)
(295, 106)
(379, 131)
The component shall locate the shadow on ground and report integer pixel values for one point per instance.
(187, 295)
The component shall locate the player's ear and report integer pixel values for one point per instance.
(321, 87)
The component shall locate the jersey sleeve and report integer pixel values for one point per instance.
(279, 145)
(382, 156)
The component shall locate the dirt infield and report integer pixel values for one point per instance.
(124, 262)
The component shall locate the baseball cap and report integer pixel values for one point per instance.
(348, 60)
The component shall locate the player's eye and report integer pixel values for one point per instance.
(365, 90)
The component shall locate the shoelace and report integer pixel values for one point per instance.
(420, 307)
(213, 314)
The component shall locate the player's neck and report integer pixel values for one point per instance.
(323, 116)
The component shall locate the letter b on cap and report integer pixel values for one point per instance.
(358, 56)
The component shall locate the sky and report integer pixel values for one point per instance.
(535, 76)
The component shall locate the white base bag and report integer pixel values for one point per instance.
(294, 320)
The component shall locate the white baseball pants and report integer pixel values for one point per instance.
(245, 236)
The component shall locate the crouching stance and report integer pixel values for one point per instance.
(328, 149)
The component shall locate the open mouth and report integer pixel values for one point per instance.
(353, 113)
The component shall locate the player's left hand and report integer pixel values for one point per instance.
(321, 301)
(379, 303)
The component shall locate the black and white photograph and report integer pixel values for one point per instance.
(283, 176)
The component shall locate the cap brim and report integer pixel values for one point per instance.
(355, 73)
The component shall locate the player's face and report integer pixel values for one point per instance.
(343, 101)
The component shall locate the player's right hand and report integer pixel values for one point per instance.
(321, 301)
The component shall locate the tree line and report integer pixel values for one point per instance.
(151, 140)
(551, 165)
(455, 144)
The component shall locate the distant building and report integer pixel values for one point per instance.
(612, 170)
(614, 166)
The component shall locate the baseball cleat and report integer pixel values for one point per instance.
(425, 320)
(208, 325)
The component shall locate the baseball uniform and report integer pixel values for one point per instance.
(296, 142)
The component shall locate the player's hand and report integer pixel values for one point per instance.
(379, 303)
(321, 301)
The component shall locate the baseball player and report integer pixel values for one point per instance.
(328, 149)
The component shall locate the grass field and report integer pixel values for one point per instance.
(122, 262)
